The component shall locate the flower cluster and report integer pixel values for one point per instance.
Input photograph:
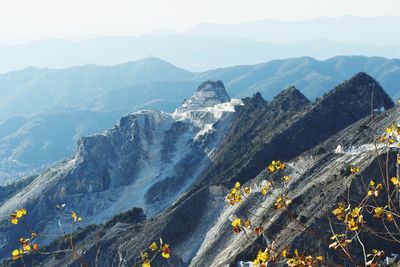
(75, 217)
(374, 189)
(237, 192)
(282, 201)
(266, 186)
(298, 259)
(262, 258)
(275, 166)
(380, 212)
(30, 244)
(239, 225)
(352, 218)
(27, 245)
(155, 248)
(354, 169)
(234, 196)
(271, 254)
(17, 215)
(391, 136)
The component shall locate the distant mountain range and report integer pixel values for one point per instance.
(208, 46)
(36, 90)
(45, 111)
(344, 29)
(151, 81)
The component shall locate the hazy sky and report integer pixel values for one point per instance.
(26, 20)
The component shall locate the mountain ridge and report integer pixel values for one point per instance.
(312, 77)
(197, 225)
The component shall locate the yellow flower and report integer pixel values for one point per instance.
(15, 254)
(275, 165)
(389, 216)
(339, 211)
(292, 262)
(153, 246)
(354, 170)
(395, 181)
(165, 251)
(355, 212)
(237, 186)
(238, 198)
(264, 191)
(352, 225)
(75, 217)
(247, 190)
(19, 214)
(287, 178)
(236, 222)
(265, 187)
(271, 168)
(374, 190)
(262, 256)
(236, 225)
(281, 202)
(280, 165)
(14, 220)
(234, 196)
(146, 263)
(256, 262)
(26, 247)
(378, 212)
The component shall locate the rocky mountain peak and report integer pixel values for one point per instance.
(358, 92)
(208, 94)
(290, 99)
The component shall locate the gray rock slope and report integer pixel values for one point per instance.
(147, 160)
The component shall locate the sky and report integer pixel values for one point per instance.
(28, 20)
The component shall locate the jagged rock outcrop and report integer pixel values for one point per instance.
(209, 93)
(272, 132)
(148, 160)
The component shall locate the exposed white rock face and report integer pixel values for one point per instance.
(148, 160)
(208, 94)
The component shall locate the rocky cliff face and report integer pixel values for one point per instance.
(288, 128)
(148, 160)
